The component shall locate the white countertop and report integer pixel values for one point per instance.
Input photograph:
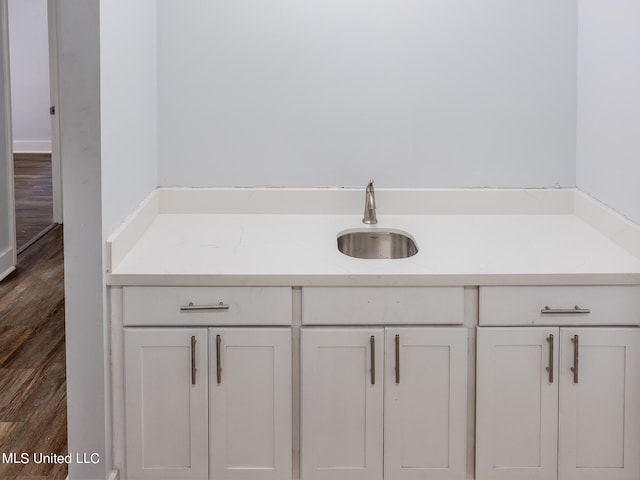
(294, 249)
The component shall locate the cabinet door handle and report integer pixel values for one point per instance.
(372, 342)
(218, 366)
(397, 358)
(574, 369)
(193, 360)
(550, 367)
(204, 308)
(565, 311)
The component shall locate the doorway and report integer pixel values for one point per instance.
(33, 409)
(33, 78)
(33, 197)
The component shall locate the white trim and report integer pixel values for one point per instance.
(10, 256)
(84, 275)
(37, 237)
(607, 221)
(112, 476)
(6, 273)
(391, 201)
(32, 146)
(7, 264)
(126, 235)
(114, 297)
(56, 155)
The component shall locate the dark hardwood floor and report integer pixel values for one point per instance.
(34, 196)
(33, 410)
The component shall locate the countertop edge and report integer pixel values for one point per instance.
(426, 280)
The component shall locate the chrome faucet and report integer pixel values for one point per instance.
(370, 205)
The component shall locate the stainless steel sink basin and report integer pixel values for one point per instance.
(377, 244)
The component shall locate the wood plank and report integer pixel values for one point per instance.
(34, 196)
(11, 338)
(33, 410)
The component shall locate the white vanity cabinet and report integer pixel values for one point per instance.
(558, 402)
(207, 402)
(383, 400)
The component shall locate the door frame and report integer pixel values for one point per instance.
(54, 94)
(8, 264)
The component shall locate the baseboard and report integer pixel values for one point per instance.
(32, 146)
(37, 237)
(7, 262)
(112, 476)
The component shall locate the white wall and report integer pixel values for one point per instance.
(29, 44)
(333, 92)
(608, 137)
(107, 53)
(128, 90)
(463, 88)
(108, 147)
(128, 111)
(7, 226)
(86, 339)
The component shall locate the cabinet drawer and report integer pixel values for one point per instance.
(207, 305)
(598, 305)
(382, 305)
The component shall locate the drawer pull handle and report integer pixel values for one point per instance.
(372, 341)
(397, 358)
(193, 360)
(574, 369)
(203, 308)
(218, 366)
(550, 367)
(563, 311)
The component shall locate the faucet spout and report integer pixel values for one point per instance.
(370, 205)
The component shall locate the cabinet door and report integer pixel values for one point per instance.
(599, 428)
(166, 403)
(342, 403)
(425, 403)
(250, 412)
(516, 404)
